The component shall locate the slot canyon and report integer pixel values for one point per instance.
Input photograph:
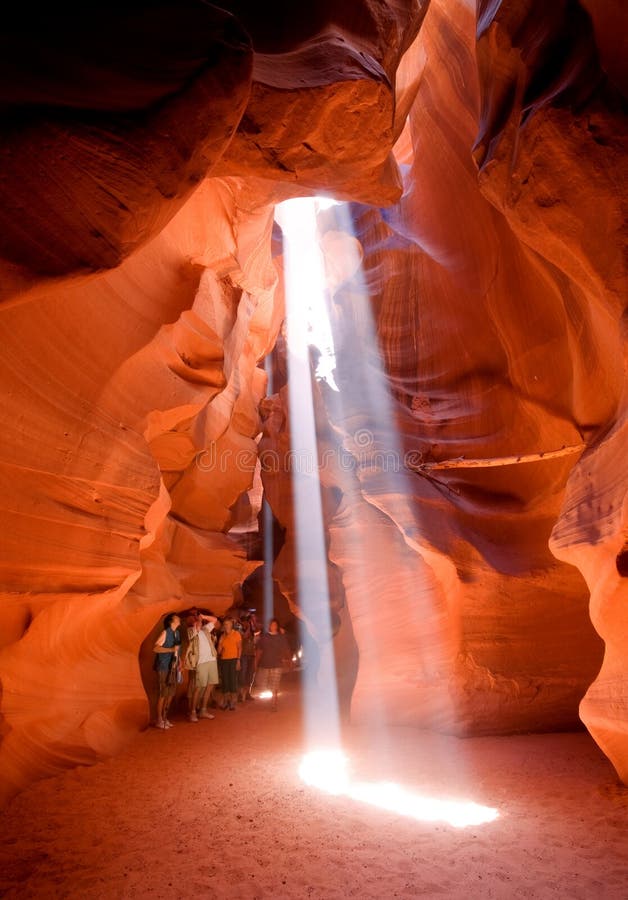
(450, 545)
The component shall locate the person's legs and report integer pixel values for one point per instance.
(198, 687)
(203, 681)
(274, 682)
(161, 700)
(167, 701)
(194, 705)
(166, 693)
(230, 686)
(192, 692)
(159, 721)
(170, 692)
(250, 663)
(222, 666)
(203, 714)
(251, 679)
(212, 681)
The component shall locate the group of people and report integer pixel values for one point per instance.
(232, 654)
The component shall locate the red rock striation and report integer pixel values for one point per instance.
(140, 297)
(97, 158)
(125, 382)
(138, 301)
(491, 318)
(553, 158)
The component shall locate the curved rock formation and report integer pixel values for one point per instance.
(466, 315)
(139, 304)
(106, 516)
(556, 165)
(99, 157)
(479, 317)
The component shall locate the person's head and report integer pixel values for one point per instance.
(227, 625)
(172, 620)
(273, 626)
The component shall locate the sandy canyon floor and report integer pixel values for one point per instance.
(217, 810)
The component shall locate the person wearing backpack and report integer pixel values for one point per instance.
(200, 657)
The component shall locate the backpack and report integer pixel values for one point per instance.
(190, 658)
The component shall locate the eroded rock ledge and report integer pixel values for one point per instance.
(141, 295)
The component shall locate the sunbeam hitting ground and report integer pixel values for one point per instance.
(329, 771)
(231, 787)
(307, 324)
(328, 308)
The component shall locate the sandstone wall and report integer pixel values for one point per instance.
(138, 300)
(139, 297)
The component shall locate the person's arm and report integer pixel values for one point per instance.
(159, 644)
(239, 643)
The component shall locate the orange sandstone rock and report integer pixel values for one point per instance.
(141, 298)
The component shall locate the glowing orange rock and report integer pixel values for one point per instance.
(140, 302)
(138, 306)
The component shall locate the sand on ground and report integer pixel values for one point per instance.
(217, 809)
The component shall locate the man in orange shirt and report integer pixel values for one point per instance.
(229, 653)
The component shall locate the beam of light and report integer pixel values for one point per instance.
(369, 418)
(307, 299)
(267, 526)
(328, 771)
(325, 202)
(307, 324)
(367, 390)
(379, 526)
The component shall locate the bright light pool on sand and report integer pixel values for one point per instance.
(328, 770)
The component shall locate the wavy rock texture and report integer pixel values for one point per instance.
(460, 315)
(556, 164)
(309, 100)
(139, 300)
(479, 317)
(114, 393)
(110, 147)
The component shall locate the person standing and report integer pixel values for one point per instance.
(247, 662)
(166, 650)
(229, 653)
(189, 653)
(273, 656)
(206, 666)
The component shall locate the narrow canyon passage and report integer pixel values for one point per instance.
(217, 809)
(314, 311)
